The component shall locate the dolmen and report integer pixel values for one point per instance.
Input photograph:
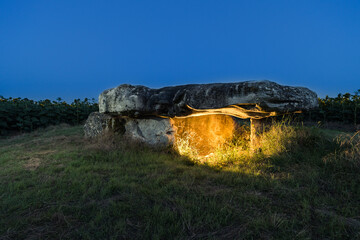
(155, 116)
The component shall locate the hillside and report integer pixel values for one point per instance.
(55, 184)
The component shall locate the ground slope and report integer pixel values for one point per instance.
(54, 184)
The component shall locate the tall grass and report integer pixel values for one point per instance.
(184, 147)
(283, 137)
(279, 139)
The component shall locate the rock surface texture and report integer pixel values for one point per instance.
(152, 131)
(251, 99)
(97, 124)
(147, 115)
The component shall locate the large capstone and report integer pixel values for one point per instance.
(251, 99)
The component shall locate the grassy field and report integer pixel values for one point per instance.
(304, 184)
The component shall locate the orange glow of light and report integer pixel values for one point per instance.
(205, 133)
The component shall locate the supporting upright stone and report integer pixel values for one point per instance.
(155, 132)
(256, 128)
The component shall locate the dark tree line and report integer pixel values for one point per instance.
(344, 108)
(24, 115)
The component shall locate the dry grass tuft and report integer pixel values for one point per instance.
(32, 163)
(348, 152)
(183, 146)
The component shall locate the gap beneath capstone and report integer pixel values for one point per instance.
(204, 133)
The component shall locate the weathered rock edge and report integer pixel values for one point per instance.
(250, 99)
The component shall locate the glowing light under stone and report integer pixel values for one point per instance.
(205, 133)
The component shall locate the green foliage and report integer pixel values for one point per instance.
(343, 108)
(24, 115)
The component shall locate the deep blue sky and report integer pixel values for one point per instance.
(77, 49)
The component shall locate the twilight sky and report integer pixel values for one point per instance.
(77, 49)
